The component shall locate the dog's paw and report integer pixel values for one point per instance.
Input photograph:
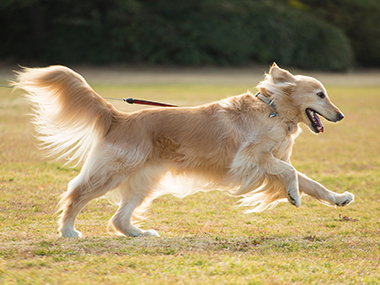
(70, 233)
(150, 233)
(344, 199)
(293, 198)
(294, 202)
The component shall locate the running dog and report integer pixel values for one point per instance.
(241, 144)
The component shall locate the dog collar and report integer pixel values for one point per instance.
(263, 98)
(267, 101)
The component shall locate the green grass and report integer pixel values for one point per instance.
(205, 238)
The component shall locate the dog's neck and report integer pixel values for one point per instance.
(292, 125)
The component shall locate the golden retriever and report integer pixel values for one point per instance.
(242, 143)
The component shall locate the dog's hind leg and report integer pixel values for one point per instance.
(132, 194)
(100, 174)
(80, 192)
(121, 221)
(319, 192)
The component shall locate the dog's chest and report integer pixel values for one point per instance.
(282, 150)
(281, 139)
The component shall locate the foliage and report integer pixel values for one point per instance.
(221, 32)
(359, 19)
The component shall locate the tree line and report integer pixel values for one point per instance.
(312, 34)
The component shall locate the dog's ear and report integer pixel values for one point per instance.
(280, 75)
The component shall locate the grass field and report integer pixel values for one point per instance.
(205, 238)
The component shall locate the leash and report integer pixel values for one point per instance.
(141, 102)
(6, 86)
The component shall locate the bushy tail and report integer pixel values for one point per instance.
(68, 114)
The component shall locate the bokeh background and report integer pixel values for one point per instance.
(333, 35)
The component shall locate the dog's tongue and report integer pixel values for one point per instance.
(319, 123)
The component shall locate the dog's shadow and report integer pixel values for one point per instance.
(187, 245)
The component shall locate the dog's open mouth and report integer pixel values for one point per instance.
(315, 121)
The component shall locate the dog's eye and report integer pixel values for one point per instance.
(321, 95)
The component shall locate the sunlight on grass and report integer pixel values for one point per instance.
(205, 238)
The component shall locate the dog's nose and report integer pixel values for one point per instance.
(340, 116)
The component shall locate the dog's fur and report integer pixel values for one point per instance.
(232, 143)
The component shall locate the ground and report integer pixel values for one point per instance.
(205, 238)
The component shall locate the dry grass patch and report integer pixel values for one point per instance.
(205, 238)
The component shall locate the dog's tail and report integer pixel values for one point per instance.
(68, 114)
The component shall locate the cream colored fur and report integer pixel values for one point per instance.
(232, 144)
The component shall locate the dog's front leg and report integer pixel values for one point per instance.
(265, 172)
(319, 192)
(288, 175)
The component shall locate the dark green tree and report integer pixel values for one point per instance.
(193, 32)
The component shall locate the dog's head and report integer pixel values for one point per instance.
(306, 94)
